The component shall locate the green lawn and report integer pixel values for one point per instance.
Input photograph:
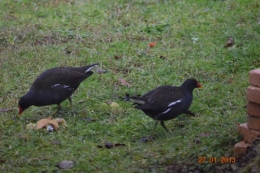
(190, 37)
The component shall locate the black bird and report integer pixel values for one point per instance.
(54, 86)
(167, 102)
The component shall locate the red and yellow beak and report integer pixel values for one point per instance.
(199, 85)
(20, 111)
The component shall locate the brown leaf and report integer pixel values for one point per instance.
(204, 134)
(118, 57)
(112, 104)
(31, 126)
(2, 161)
(54, 124)
(88, 119)
(152, 44)
(49, 121)
(55, 142)
(108, 102)
(66, 164)
(162, 57)
(42, 123)
(197, 141)
(123, 82)
(6, 109)
(109, 145)
(60, 120)
(230, 42)
(146, 139)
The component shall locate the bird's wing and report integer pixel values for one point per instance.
(60, 77)
(161, 99)
(84, 69)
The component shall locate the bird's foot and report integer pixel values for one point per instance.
(73, 112)
(146, 139)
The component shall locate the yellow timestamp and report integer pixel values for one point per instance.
(223, 160)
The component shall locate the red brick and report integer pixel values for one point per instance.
(253, 123)
(253, 109)
(241, 147)
(254, 77)
(249, 135)
(253, 94)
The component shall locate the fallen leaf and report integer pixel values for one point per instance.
(31, 126)
(124, 83)
(42, 123)
(89, 119)
(109, 102)
(204, 134)
(146, 139)
(67, 51)
(118, 57)
(66, 164)
(81, 101)
(162, 57)
(114, 105)
(230, 42)
(109, 145)
(100, 70)
(6, 109)
(60, 120)
(152, 44)
(55, 142)
(54, 123)
(197, 141)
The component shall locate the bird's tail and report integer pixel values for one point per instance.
(137, 101)
(90, 67)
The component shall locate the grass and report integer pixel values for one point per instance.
(35, 36)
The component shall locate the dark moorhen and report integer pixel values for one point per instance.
(167, 102)
(54, 86)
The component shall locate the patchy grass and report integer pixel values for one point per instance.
(190, 37)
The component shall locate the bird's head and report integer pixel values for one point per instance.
(191, 84)
(20, 110)
(199, 85)
(23, 104)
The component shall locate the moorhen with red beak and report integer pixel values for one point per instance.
(167, 102)
(54, 86)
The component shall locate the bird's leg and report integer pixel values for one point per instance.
(189, 112)
(165, 128)
(58, 109)
(71, 106)
(156, 122)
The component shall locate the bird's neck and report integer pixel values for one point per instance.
(187, 89)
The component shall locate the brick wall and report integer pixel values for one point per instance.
(251, 129)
